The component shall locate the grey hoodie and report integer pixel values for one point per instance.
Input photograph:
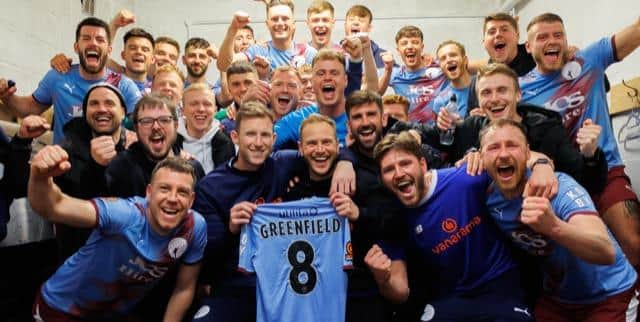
(200, 148)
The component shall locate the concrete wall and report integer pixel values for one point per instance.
(32, 31)
(585, 24)
(440, 20)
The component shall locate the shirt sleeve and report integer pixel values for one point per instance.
(114, 214)
(393, 250)
(130, 92)
(195, 253)
(286, 129)
(601, 53)
(45, 91)
(572, 199)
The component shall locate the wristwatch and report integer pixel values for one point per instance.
(541, 161)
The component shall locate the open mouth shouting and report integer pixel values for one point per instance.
(367, 135)
(406, 190)
(412, 58)
(157, 142)
(498, 110)
(500, 47)
(552, 55)
(328, 91)
(321, 33)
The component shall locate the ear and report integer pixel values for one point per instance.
(518, 95)
(76, 48)
(527, 46)
(122, 54)
(299, 146)
(184, 59)
(148, 191)
(234, 136)
(423, 164)
(109, 49)
(385, 118)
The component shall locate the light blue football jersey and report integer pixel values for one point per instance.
(577, 93)
(567, 278)
(299, 251)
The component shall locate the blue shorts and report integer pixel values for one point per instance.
(499, 300)
(229, 305)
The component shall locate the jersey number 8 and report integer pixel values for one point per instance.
(303, 276)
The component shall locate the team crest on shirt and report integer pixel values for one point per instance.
(349, 252)
(177, 247)
(298, 61)
(571, 70)
(432, 72)
(418, 229)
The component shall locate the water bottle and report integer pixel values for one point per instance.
(446, 137)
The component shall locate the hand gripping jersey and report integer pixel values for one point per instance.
(577, 93)
(420, 87)
(122, 260)
(299, 251)
(567, 278)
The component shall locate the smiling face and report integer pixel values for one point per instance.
(93, 49)
(197, 61)
(104, 112)
(403, 173)
(254, 138)
(355, 24)
(547, 43)
(168, 84)
(137, 55)
(285, 90)
(329, 82)
(366, 122)
(319, 147)
(504, 155)
(170, 195)
(410, 50)
(239, 85)
(501, 41)
(165, 53)
(159, 135)
(498, 96)
(280, 23)
(243, 39)
(452, 62)
(198, 109)
(320, 25)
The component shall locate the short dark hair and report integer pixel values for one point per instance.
(176, 164)
(240, 67)
(403, 141)
(247, 27)
(409, 31)
(500, 16)
(153, 100)
(500, 123)
(93, 22)
(168, 40)
(196, 42)
(139, 33)
(360, 11)
(361, 97)
(547, 17)
(460, 46)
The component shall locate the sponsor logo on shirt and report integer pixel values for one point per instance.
(456, 234)
(177, 247)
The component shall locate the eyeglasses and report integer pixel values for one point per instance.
(162, 121)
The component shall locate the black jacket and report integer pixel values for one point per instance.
(545, 134)
(380, 218)
(222, 147)
(130, 172)
(85, 180)
(14, 175)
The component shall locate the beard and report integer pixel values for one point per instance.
(93, 70)
(195, 74)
